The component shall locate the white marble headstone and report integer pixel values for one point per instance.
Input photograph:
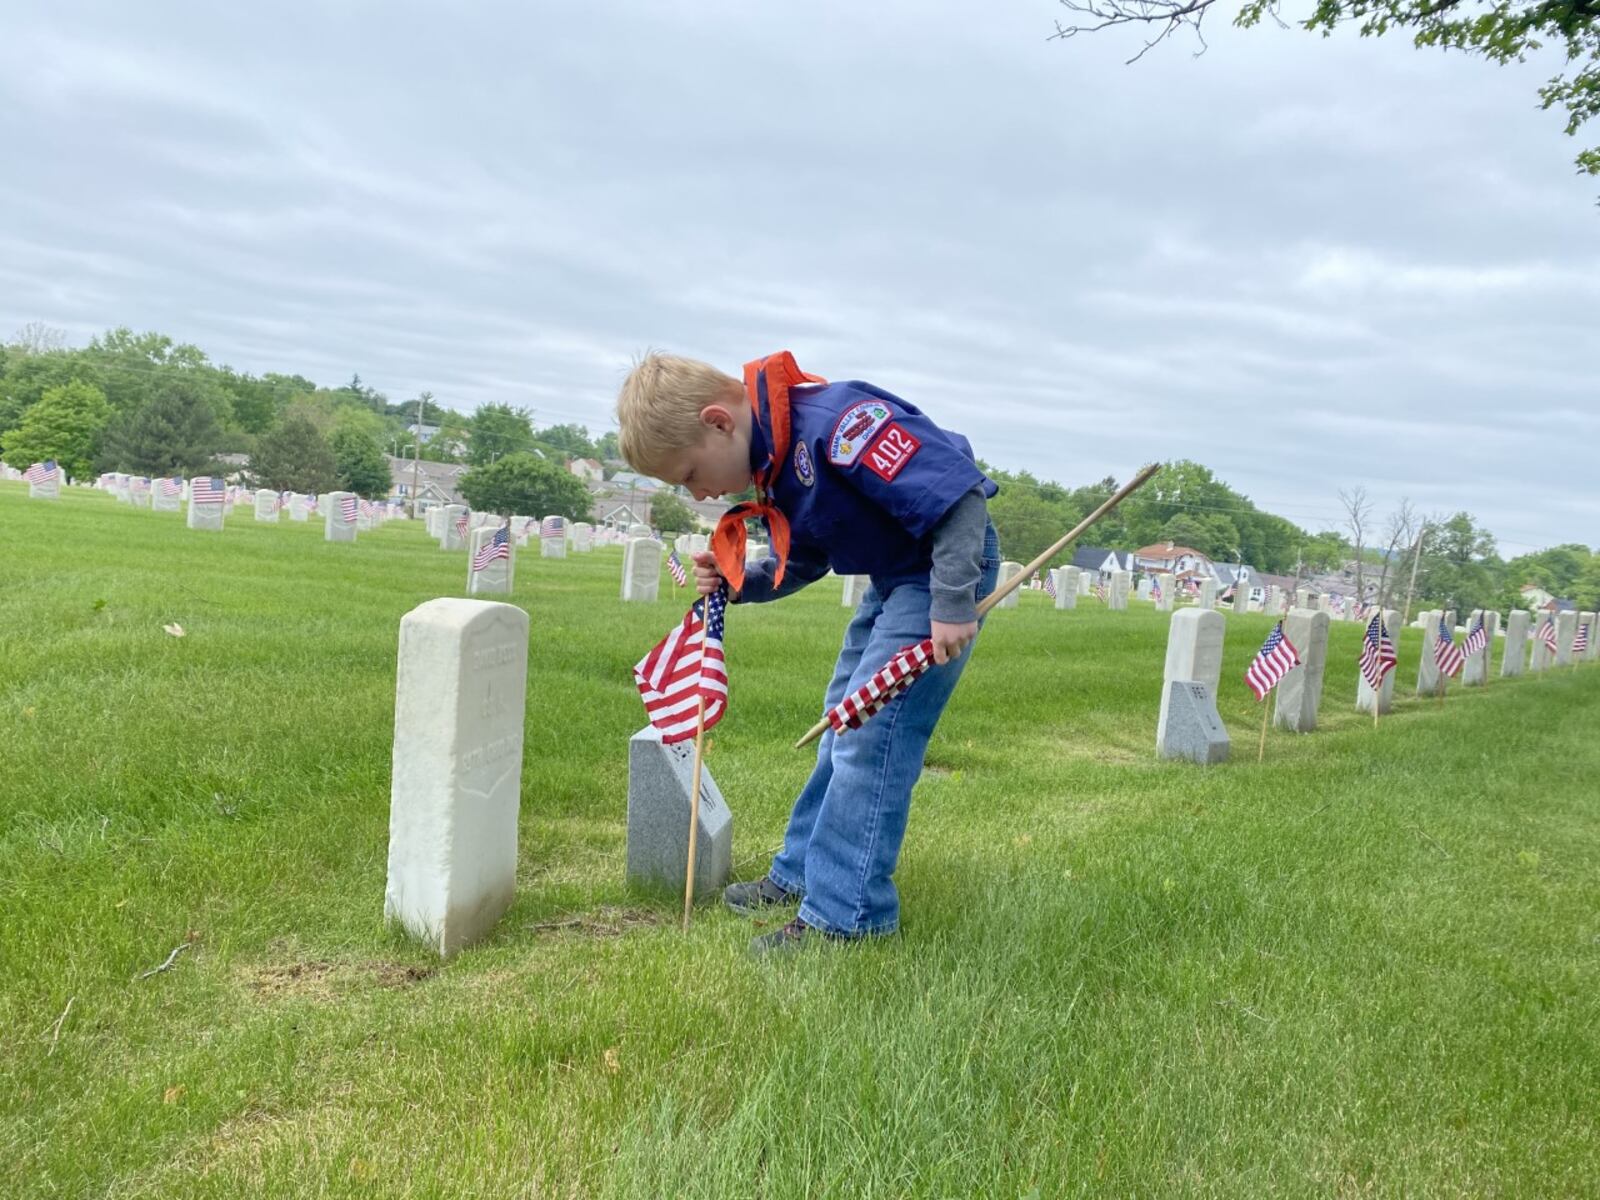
(457, 776)
(641, 570)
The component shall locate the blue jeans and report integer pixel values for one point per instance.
(844, 834)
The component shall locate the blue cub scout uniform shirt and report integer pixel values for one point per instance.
(867, 478)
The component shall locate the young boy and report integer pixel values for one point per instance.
(851, 478)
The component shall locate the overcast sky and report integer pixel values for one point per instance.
(1307, 263)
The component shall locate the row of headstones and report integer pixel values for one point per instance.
(457, 763)
(1188, 726)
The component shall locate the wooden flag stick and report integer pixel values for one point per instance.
(1266, 712)
(1016, 581)
(694, 780)
(694, 810)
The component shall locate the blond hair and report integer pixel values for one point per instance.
(658, 409)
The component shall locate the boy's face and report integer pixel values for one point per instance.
(720, 464)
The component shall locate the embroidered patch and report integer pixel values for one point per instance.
(891, 452)
(804, 471)
(854, 427)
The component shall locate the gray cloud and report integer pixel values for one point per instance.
(1307, 263)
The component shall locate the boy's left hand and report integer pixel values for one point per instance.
(950, 640)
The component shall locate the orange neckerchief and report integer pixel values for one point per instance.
(768, 379)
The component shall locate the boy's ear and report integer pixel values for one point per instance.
(718, 417)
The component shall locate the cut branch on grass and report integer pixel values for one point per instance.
(171, 958)
(55, 1030)
(1435, 841)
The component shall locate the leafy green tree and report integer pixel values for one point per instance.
(670, 514)
(294, 457)
(406, 410)
(566, 441)
(1505, 31)
(1556, 569)
(1585, 589)
(522, 483)
(1026, 521)
(66, 425)
(175, 433)
(450, 443)
(1323, 552)
(359, 463)
(29, 376)
(498, 430)
(607, 449)
(1459, 568)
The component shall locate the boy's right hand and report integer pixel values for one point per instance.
(707, 578)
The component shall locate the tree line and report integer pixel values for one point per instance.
(144, 404)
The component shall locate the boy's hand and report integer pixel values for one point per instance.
(950, 640)
(707, 578)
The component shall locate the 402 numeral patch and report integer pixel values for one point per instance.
(888, 456)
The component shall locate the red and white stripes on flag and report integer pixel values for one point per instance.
(675, 566)
(461, 525)
(494, 549)
(552, 527)
(349, 509)
(1447, 656)
(41, 473)
(1580, 640)
(206, 489)
(1276, 658)
(1477, 637)
(1547, 633)
(685, 667)
(1378, 655)
(894, 677)
(173, 486)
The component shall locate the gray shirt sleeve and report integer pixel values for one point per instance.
(958, 560)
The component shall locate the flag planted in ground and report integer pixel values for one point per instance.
(1050, 584)
(1447, 655)
(1276, 658)
(1580, 640)
(206, 489)
(1477, 637)
(495, 549)
(1378, 655)
(675, 565)
(552, 527)
(42, 473)
(684, 668)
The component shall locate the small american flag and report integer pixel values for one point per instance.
(206, 489)
(1447, 655)
(1547, 633)
(1477, 637)
(41, 473)
(685, 667)
(173, 486)
(461, 525)
(552, 527)
(1100, 591)
(1378, 656)
(349, 507)
(1155, 590)
(894, 677)
(1276, 658)
(675, 565)
(497, 548)
(1580, 640)
(367, 509)
(139, 484)
(1050, 584)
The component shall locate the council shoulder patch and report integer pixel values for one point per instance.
(855, 425)
(804, 470)
(891, 452)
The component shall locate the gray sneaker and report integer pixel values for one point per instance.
(793, 937)
(750, 898)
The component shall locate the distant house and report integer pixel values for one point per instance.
(620, 516)
(1166, 556)
(423, 432)
(632, 481)
(435, 482)
(587, 470)
(1535, 597)
(1101, 561)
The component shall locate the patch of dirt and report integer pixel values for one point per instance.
(323, 980)
(604, 922)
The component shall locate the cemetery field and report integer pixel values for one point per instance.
(1370, 966)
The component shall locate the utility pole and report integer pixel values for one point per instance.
(416, 455)
(1416, 557)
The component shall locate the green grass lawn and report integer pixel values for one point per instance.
(1370, 966)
